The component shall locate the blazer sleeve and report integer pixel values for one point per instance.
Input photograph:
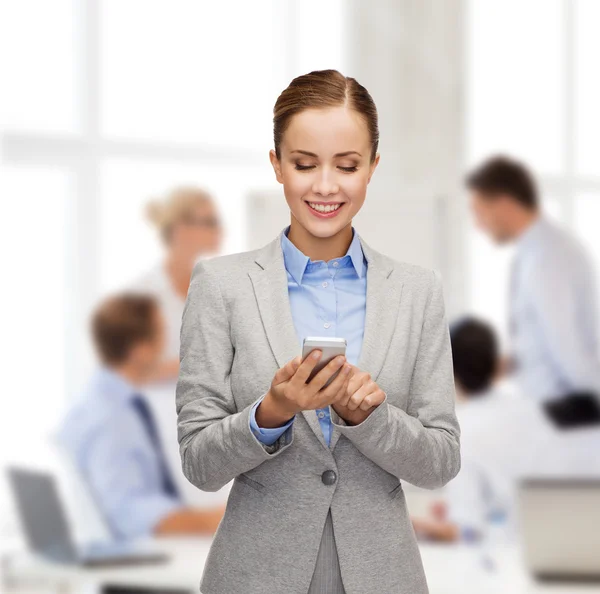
(421, 445)
(216, 442)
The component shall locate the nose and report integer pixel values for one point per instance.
(325, 184)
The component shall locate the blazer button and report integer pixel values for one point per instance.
(328, 477)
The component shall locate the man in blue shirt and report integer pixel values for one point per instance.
(112, 436)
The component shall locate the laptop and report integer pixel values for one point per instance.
(47, 530)
(560, 527)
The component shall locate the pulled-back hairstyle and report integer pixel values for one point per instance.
(324, 89)
(178, 206)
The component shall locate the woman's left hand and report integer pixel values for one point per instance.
(362, 398)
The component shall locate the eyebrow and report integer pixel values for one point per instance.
(336, 155)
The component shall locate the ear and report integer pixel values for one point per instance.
(373, 166)
(503, 367)
(276, 166)
(135, 353)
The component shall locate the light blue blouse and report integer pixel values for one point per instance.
(326, 299)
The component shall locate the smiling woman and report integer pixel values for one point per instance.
(329, 457)
(324, 176)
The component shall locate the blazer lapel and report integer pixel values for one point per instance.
(382, 303)
(271, 291)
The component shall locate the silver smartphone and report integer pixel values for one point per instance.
(330, 348)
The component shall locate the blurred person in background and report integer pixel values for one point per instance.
(189, 228)
(501, 434)
(553, 300)
(112, 437)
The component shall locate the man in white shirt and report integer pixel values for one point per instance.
(553, 299)
(501, 437)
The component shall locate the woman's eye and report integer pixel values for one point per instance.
(307, 167)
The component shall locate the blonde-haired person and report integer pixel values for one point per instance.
(317, 503)
(190, 228)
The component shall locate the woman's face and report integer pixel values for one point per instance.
(201, 232)
(325, 168)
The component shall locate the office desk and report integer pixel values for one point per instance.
(449, 570)
(183, 571)
(464, 569)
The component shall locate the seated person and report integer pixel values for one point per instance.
(112, 437)
(500, 437)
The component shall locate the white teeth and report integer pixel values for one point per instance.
(324, 208)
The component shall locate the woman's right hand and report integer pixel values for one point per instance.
(291, 394)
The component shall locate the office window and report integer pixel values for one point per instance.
(532, 92)
(116, 103)
(319, 41)
(516, 81)
(587, 88)
(38, 42)
(36, 247)
(190, 71)
(587, 217)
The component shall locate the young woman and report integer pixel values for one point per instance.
(317, 504)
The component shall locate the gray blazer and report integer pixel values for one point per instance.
(237, 330)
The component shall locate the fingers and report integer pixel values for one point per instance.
(341, 395)
(359, 378)
(286, 372)
(317, 382)
(373, 399)
(367, 396)
(337, 388)
(306, 367)
(356, 398)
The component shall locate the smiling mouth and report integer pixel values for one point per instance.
(325, 208)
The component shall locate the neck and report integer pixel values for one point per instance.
(130, 373)
(524, 221)
(179, 268)
(320, 248)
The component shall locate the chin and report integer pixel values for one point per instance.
(323, 229)
(502, 239)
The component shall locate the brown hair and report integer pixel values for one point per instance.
(120, 322)
(503, 175)
(178, 206)
(323, 89)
